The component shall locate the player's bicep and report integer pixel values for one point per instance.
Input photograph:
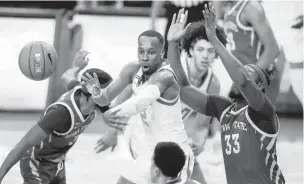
(34, 136)
(120, 83)
(162, 80)
(123, 96)
(194, 98)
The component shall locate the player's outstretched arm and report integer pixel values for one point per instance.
(32, 138)
(255, 16)
(69, 77)
(237, 72)
(103, 97)
(192, 96)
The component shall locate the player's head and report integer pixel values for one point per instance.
(86, 103)
(259, 76)
(167, 162)
(198, 47)
(150, 51)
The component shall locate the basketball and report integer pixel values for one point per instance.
(37, 60)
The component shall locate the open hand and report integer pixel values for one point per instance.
(115, 121)
(91, 83)
(177, 29)
(107, 141)
(81, 59)
(209, 16)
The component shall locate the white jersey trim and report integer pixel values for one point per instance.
(238, 22)
(75, 105)
(259, 130)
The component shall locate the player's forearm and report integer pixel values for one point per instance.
(270, 52)
(233, 66)
(69, 75)
(13, 157)
(176, 64)
(156, 6)
(141, 101)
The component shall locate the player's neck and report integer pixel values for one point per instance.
(240, 103)
(195, 74)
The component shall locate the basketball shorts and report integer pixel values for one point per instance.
(137, 171)
(37, 171)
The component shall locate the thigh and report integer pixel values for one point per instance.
(33, 173)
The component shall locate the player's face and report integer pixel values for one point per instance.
(87, 104)
(150, 54)
(235, 92)
(203, 54)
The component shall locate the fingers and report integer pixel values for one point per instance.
(185, 18)
(89, 76)
(173, 19)
(84, 78)
(95, 75)
(179, 15)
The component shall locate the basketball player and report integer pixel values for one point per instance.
(251, 39)
(197, 58)
(155, 101)
(167, 161)
(249, 125)
(43, 149)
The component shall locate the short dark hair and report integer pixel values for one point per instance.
(169, 158)
(197, 31)
(104, 80)
(152, 33)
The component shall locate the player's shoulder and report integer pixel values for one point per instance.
(214, 86)
(163, 75)
(254, 8)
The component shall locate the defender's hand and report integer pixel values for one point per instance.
(108, 140)
(177, 29)
(114, 121)
(92, 84)
(81, 59)
(210, 23)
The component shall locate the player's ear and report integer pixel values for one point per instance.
(191, 51)
(262, 87)
(162, 54)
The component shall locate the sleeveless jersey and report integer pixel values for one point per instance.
(162, 121)
(187, 112)
(249, 153)
(243, 41)
(56, 145)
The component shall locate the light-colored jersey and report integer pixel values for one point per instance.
(162, 121)
(187, 112)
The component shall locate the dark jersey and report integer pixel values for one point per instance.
(249, 153)
(57, 144)
(242, 40)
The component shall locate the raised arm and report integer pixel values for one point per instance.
(193, 97)
(155, 8)
(239, 75)
(69, 77)
(255, 16)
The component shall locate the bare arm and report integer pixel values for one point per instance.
(156, 6)
(237, 72)
(158, 83)
(118, 85)
(69, 78)
(32, 138)
(192, 96)
(255, 15)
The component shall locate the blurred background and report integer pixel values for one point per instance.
(109, 30)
